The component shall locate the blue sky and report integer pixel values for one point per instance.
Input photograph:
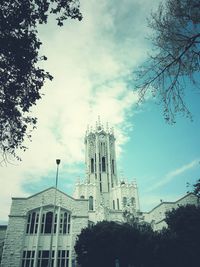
(91, 62)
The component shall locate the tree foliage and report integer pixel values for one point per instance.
(135, 244)
(106, 242)
(197, 188)
(184, 234)
(20, 77)
(175, 57)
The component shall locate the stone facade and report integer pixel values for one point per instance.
(18, 239)
(2, 238)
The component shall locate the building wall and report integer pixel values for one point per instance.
(3, 229)
(17, 239)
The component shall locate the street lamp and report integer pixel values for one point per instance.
(53, 217)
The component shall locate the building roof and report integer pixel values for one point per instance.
(171, 202)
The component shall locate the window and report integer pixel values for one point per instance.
(65, 219)
(133, 201)
(118, 203)
(44, 257)
(100, 184)
(103, 164)
(48, 222)
(124, 201)
(92, 165)
(64, 223)
(113, 204)
(55, 223)
(91, 206)
(113, 166)
(32, 223)
(63, 258)
(68, 224)
(28, 258)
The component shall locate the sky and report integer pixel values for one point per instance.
(92, 62)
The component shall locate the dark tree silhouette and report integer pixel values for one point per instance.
(175, 58)
(20, 77)
(106, 242)
(183, 236)
(197, 188)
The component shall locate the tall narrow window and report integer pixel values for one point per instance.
(113, 204)
(133, 201)
(103, 164)
(55, 223)
(48, 222)
(92, 165)
(28, 223)
(68, 225)
(118, 203)
(100, 184)
(32, 223)
(65, 223)
(124, 201)
(43, 223)
(36, 222)
(113, 166)
(91, 204)
(64, 227)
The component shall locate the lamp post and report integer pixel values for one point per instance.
(53, 217)
(57, 163)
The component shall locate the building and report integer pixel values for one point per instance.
(3, 229)
(42, 228)
(156, 217)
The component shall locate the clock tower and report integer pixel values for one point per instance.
(108, 196)
(100, 158)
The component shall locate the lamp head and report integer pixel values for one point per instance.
(57, 161)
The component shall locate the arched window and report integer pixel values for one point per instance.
(82, 197)
(124, 201)
(103, 164)
(91, 204)
(92, 165)
(61, 222)
(48, 222)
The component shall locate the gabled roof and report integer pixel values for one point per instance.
(47, 189)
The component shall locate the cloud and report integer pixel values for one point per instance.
(91, 62)
(173, 174)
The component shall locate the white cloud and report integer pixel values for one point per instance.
(89, 61)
